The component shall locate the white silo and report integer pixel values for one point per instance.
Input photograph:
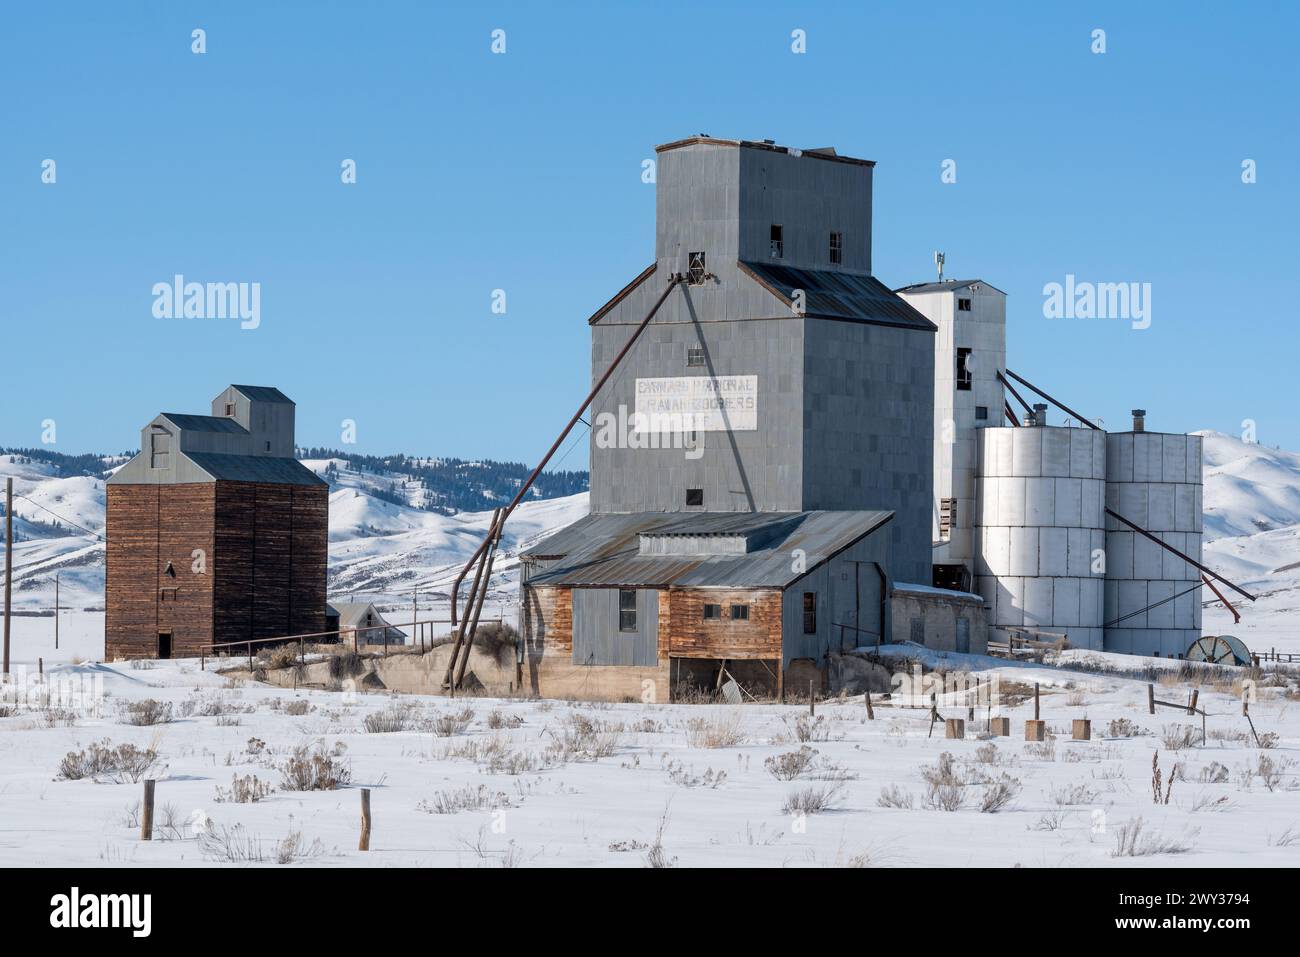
(1154, 480)
(1040, 494)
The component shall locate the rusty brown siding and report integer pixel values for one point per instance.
(690, 635)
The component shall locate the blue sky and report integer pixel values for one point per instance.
(522, 172)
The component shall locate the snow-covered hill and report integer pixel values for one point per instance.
(384, 551)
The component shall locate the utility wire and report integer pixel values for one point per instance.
(61, 518)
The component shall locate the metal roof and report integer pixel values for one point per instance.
(820, 152)
(263, 393)
(603, 550)
(850, 297)
(254, 468)
(948, 285)
(203, 423)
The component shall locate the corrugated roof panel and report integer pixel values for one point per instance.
(603, 550)
(254, 468)
(840, 295)
(203, 423)
(263, 393)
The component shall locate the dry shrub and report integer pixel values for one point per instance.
(1177, 737)
(584, 739)
(144, 712)
(245, 790)
(102, 760)
(723, 730)
(319, 770)
(812, 800)
(788, 766)
(1133, 840)
(392, 718)
(453, 722)
(346, 664)
(1124, 728)
(894, 796)
(296, 709)
(497, 720)
(467, 798)
(998, 794)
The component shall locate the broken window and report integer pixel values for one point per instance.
(695, 269)
(810, 613)
(837, 247)
(963, 305)
(963, 370)
(627, 609)
(778, 246)
(740, 613)
(947, 516)
(695, 356)
(160, 446)
(695, 496)
(712, 612)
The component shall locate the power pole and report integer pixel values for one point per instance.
(9, 561)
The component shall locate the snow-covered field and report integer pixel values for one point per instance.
(565, 784)
(556, 783)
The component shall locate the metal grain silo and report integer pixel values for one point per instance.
(1040, 494)
(1153, 479)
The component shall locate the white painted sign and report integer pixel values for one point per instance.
(697, 404)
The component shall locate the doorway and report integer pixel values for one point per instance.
(164, 644)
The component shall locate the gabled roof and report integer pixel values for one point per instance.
(604, 550)
(948, 285)
(262, 393)
(843, 296)
(203, 423)
(272, 470)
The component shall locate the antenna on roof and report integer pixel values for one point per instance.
(938, 261)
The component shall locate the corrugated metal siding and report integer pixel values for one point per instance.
(596, 636)
(837, 604)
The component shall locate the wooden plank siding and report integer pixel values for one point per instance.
(683, 631)
(265, 548)
(148, 526)
(690, 635)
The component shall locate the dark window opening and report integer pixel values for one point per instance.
(712, 612)
(695, 496)
(981, 413)
(837, 247)
(740, 613)
(810, 613)
(627, 609)
(164, 644)
(963, 305)
(230, 408)
(947, 516)
(778, 246)
(695, 268)
(268, 445)
(695, 356)
(963, 370)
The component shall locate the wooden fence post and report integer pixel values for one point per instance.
(1191, 708)
(146, 814)
(1151, 698)
(365, 820)
(812, 700)
(866, 696)
(1037, 717)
